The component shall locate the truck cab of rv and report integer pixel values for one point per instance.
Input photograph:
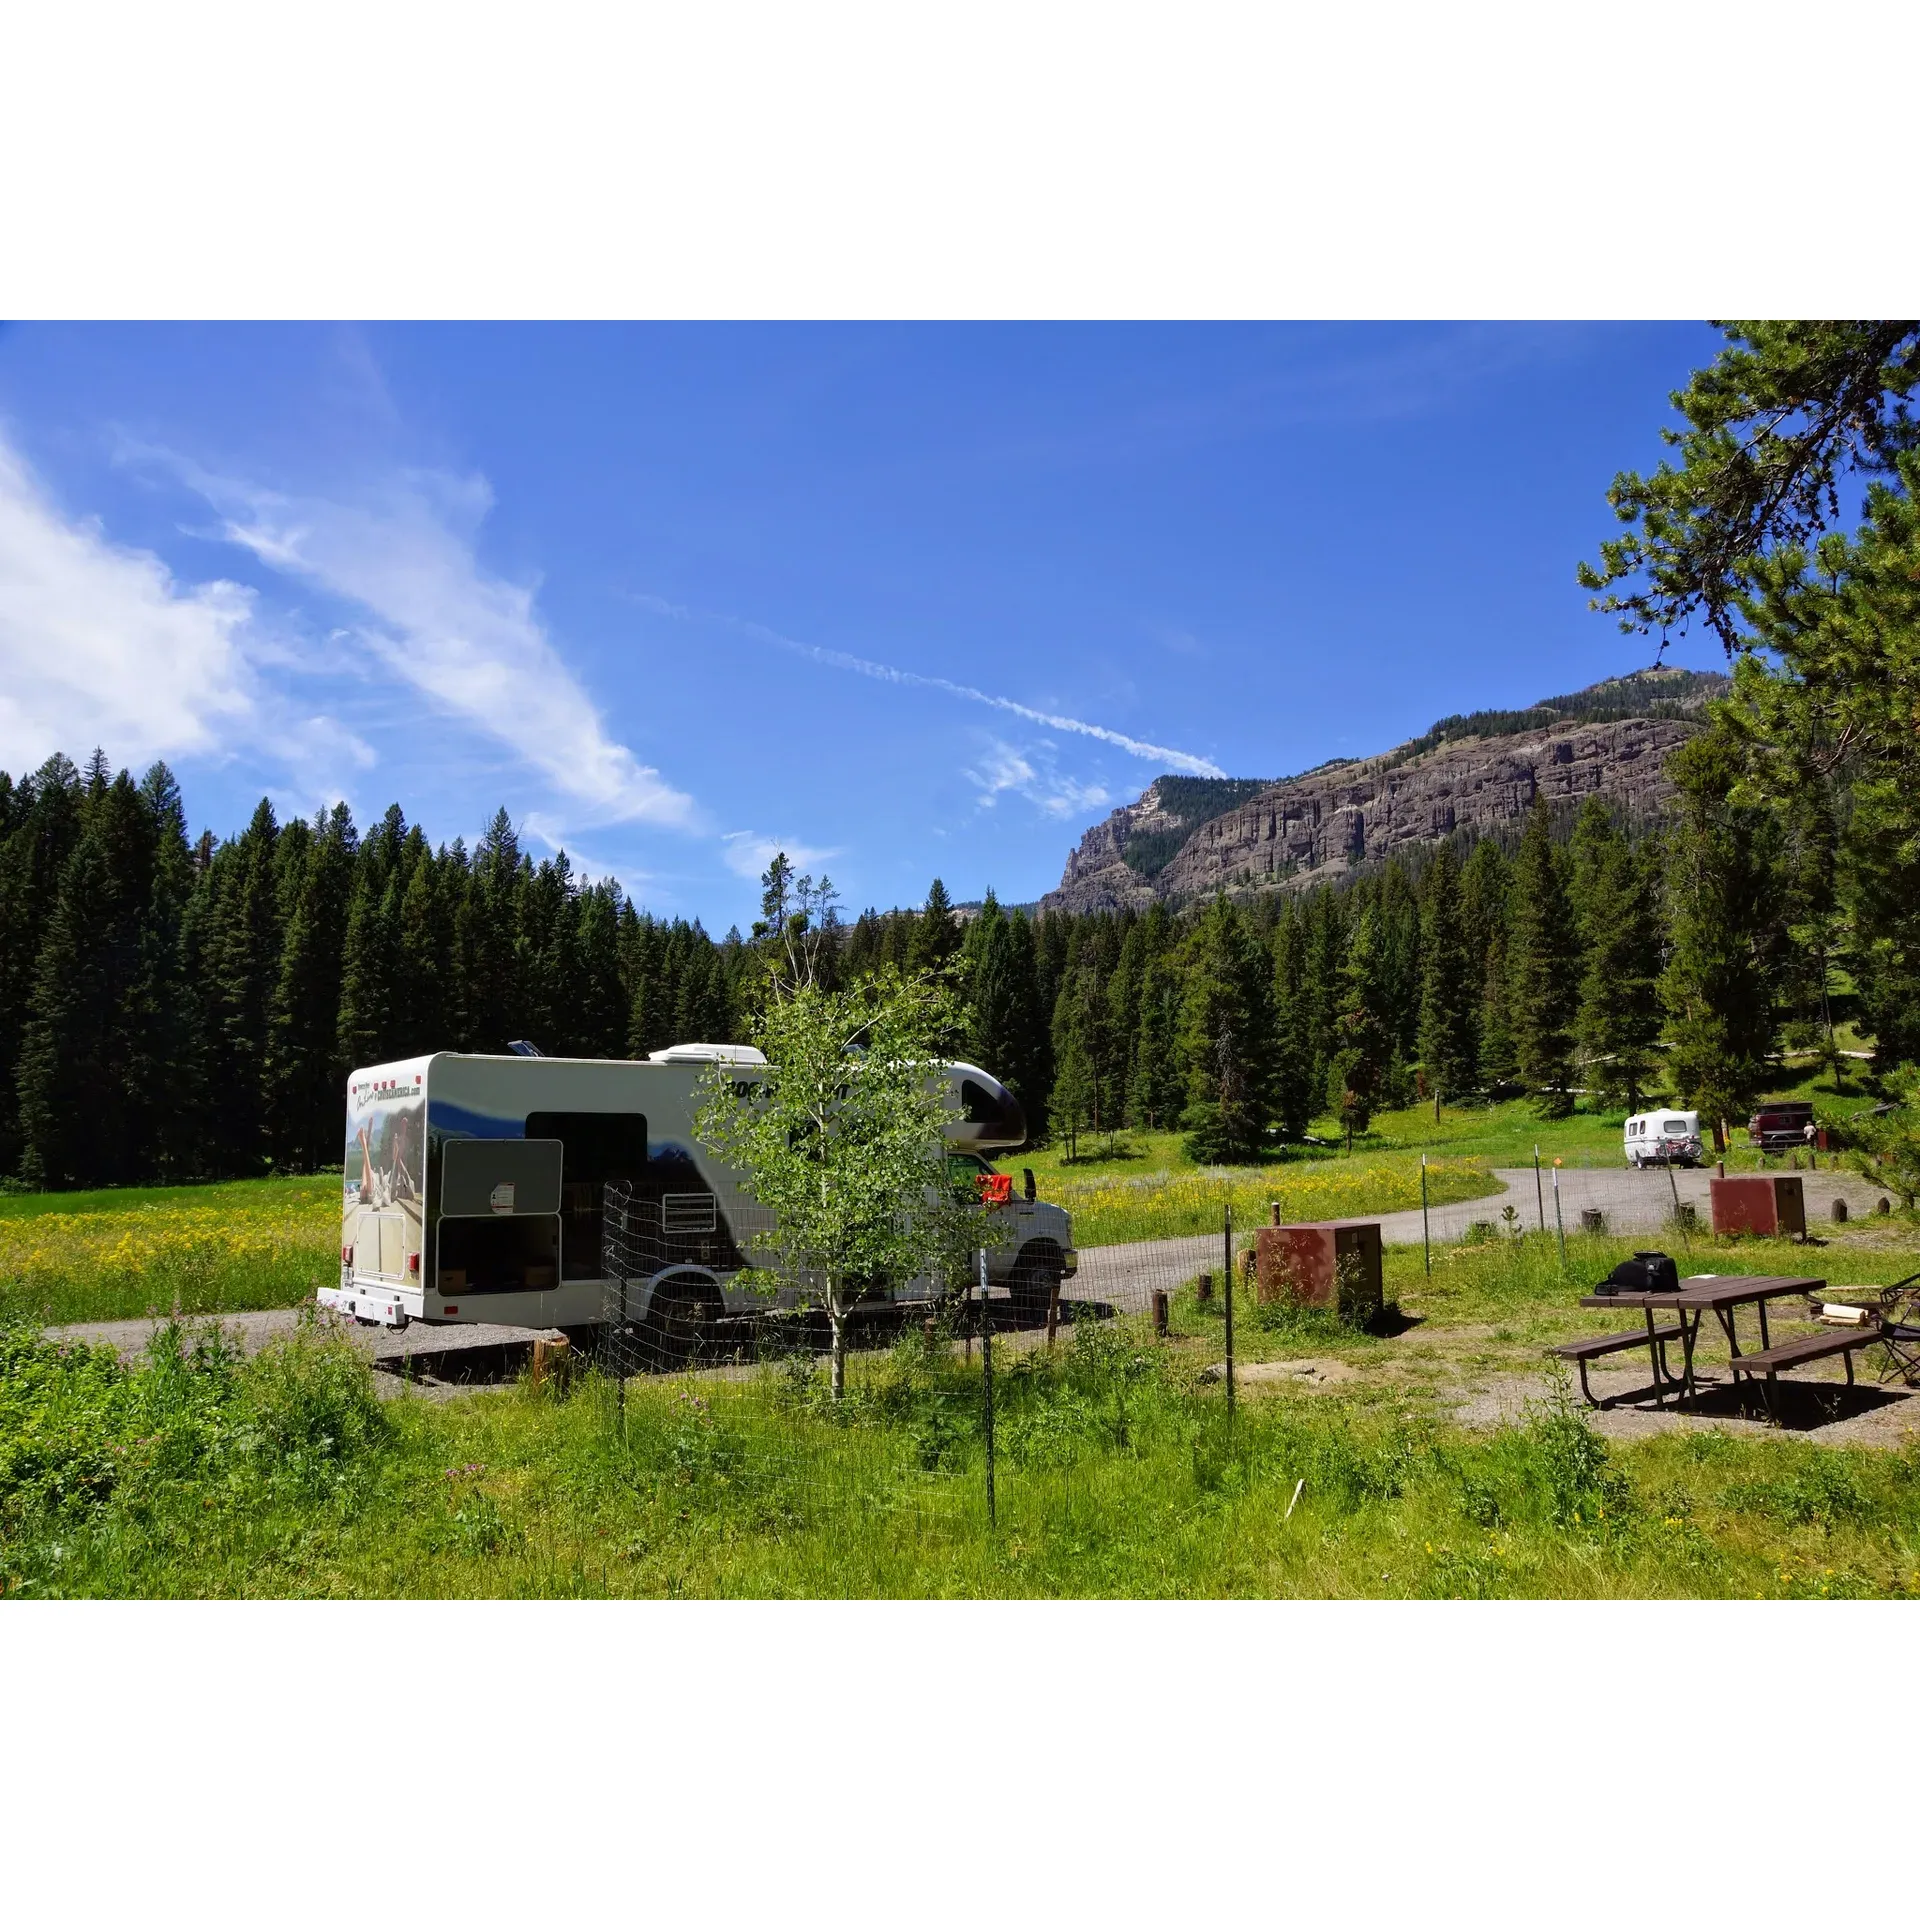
(1666, 1137)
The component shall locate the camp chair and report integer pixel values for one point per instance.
(1900, 1329)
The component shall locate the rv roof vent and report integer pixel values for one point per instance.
(711, 1050)
(526, 1049)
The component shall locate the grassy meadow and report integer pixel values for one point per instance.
(133, 1251)
(1118, 1472)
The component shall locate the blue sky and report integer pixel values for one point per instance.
(906, 600)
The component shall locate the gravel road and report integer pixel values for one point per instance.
(1630, 1201)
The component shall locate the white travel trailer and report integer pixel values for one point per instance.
(474, 1189)
(1664, 1137)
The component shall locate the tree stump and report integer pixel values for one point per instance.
(553, 1363)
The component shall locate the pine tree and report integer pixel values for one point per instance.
(599, 1026)
(1296, 1086)
(936, 938)
(1226, 1029)
(304, 1065)
(1619, 1017)
(1725, 906)
(160, 1095)
(369, 961)
(1030, 1065)
(1364, 1043)
(241, 961)
(1543, 968)
(1076, 1093)
(1448, 1043)
(82, 1035)
(43, 829)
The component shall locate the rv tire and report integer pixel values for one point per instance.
(1039, 1269)
(678, 1314)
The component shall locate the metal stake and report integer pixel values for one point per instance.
(1227, 1232)
(1559, 1224)
(1426, 1226)
(1538, 1199)
(986, 1377)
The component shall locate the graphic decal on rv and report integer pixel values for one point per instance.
(384, 1177)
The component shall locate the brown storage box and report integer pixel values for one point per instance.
(453, 1280)
(1320, 1266)
(1769, 1203)
(535, 1279)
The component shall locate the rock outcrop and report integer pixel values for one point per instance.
(1327, 824)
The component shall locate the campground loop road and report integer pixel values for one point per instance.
(1632, 1203)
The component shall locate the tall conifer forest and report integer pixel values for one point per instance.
(176, 1009)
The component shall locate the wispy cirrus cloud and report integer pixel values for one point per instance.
(1174, 757)
(1005, 769)
(403, 553)
(750, 854)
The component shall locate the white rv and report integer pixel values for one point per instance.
(475, 1185)
(1664, 1137)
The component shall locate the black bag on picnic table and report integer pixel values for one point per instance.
(1644, 1273)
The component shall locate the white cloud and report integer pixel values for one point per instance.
(101, 646)
(749, 854)
(468, 639)
(1005, 769)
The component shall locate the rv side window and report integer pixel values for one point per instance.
(599, 1146)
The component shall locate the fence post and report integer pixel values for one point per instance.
(1539, 1199)
(1560, 1224)
(986, 1376)
(1227, 1233)
(1426, 1225)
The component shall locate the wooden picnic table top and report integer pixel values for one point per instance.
(1713, 1290)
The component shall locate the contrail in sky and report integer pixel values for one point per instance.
(900, 677)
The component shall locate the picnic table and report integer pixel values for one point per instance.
(1718, 1293)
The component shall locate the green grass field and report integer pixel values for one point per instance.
(1118, 1474)
(133, 1251)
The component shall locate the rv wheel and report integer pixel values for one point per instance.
(1039, 1269)
(678, 1317)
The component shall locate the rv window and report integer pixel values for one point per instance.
(599, 1146)
(1676, 1126)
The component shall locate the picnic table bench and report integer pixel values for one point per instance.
(1770, 1362)
(1581, 1351)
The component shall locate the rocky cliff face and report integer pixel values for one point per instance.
(1321, 826)
(1097, 872)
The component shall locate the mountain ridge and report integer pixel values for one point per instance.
(1184, 837)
